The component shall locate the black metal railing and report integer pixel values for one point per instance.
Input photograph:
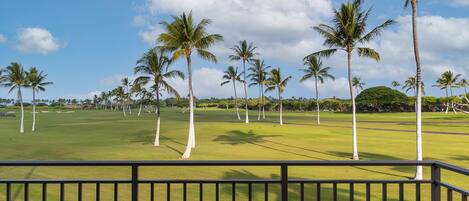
(135, 182)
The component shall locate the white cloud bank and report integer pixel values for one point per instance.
(3, 38)
(36, 40)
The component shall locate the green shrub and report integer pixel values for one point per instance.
(381, 99)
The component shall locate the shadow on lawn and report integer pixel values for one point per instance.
(237, 137)
(274, 189)
(374, 156)
(461, 157)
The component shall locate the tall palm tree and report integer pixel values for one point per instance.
(314, 69)
(275, 81)
(358, 84)
(246, 52)
(15, 78)
(419, 90)
(348, 33)
(37, 82)
(120, 97)
(182, 37)
(395, 84)
(411, 85)
(464, 83)
(447, 81)
(259, 77)
(231, 76)
(127, 85)
(139, 90)
(153, 68)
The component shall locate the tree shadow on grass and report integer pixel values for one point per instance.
(148, 137)
(294, 192)
(461, 157)
(237, 137)
(19, 190)
(374, 156)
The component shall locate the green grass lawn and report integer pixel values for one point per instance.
(107, 135)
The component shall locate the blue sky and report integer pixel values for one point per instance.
(86, 46)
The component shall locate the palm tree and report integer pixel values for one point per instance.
(419, 88)
(259, 77)
(447, 81)
(15, 78)
(120, 97)
(358, 84)
(246, 52)
(347, 33)
(231, 75)
(182, 37)
(319, 73)
(139, 91)
(411, 85)
(153, 67)
(37, 82)
(395, 84)
(126, 85)
(275, 81)
(464, 83)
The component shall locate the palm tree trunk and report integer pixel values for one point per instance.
(140, 109)
(281, 108)
(419, 169)
(123, 109)
(236, 99)
(130, 109)
(191, 136)
(20, 98)
(317, 98)
(263, 102)
(354, 118)
(447, 101)
(245, 91)
(34, 110)
(259, 104)
(157, 137)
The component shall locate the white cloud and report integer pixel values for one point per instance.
(3, 38)
(206, 84)
(114, 80)
(438, 51)
(36, 40)
(460, 2)
(330, 88)
(278, 27)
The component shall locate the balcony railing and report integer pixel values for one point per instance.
(284, 183)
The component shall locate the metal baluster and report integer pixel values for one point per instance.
(302, 191)
(318, 191)
(168, 191)
(351, 192)
(8, 193)
(435, 178)
(401, 192)
(249, 191)
(417, 192)
(184, 192)
(62, 191)
(217, 194)
(284, 181)
(334, 191)
(385, 192)
(266, 192)
(80, 191)
(152, 191)
(134, 171)
(368, 191)
(116, 191)
(233, 192)
(201, 192)
(26, 192)
(98, 191)
(44, 191)
(449, 195)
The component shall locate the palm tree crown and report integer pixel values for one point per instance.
(411, 84)
(357, 83)
(15, 77)
(448, 80)
(258, 73)
(37, 79)
(231, 75)
(275, 81)
(315, 70)
(243, 51)
(182, 37)
(349, 31)
(153, 68)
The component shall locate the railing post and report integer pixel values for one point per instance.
(284, 181)
(435, 179)
(134, 182)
